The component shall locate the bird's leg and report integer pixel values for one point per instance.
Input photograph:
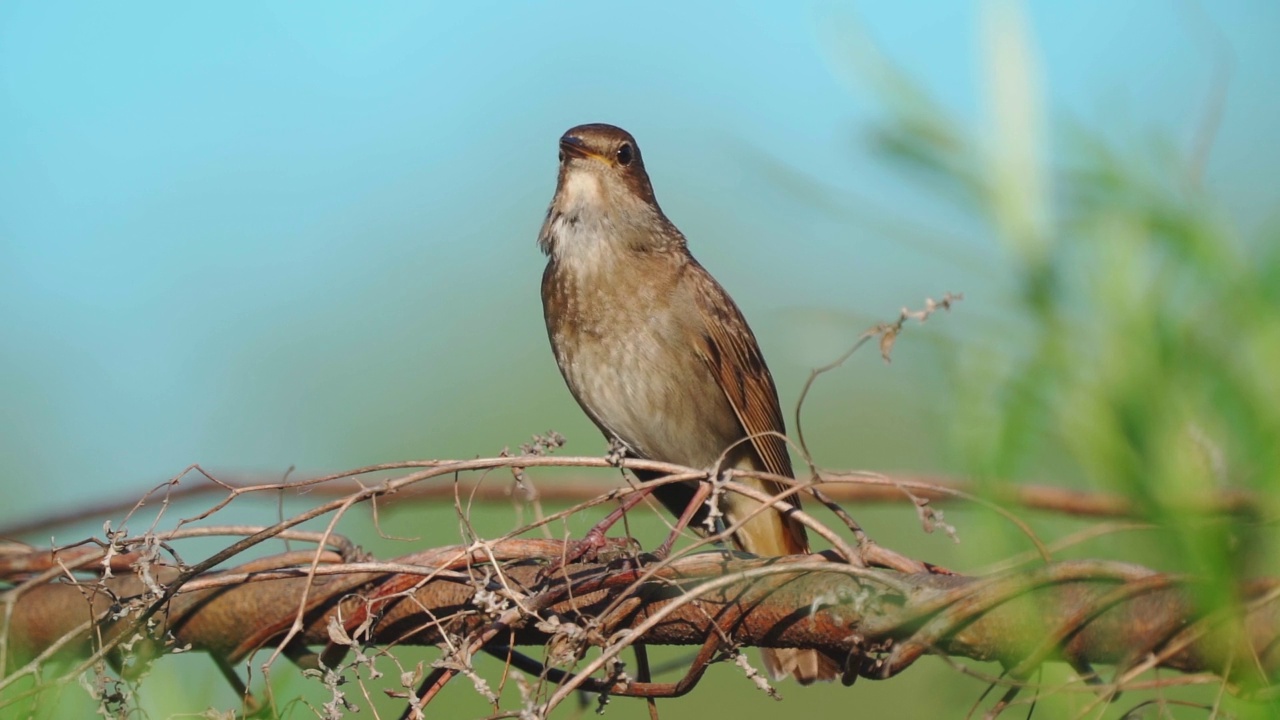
(594, 540)
(699, 497)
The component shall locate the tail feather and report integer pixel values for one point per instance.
(806, 666)
(771, 534)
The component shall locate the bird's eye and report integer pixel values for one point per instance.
(561, 156)
(625, 154)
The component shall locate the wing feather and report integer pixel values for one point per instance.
(731, 352)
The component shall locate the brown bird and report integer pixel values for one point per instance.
(656, 352)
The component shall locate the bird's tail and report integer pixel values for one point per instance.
(806, 666)
(771, 534)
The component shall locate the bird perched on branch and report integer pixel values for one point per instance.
(657, 353)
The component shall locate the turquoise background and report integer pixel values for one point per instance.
(258, 236)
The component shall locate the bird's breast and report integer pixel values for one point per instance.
(625, 346)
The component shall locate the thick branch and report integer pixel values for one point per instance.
(880, 621)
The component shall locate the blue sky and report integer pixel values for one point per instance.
(254, 235)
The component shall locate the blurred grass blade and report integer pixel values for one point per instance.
(1014, 146)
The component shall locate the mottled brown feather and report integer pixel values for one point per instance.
(730, 349)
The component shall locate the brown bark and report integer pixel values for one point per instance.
(878, 620)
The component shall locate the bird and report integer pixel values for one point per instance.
(657, 354)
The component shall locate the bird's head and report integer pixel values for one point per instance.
(602, 186)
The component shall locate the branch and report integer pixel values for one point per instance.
(877, 621)
(862, 488)
(130, 599)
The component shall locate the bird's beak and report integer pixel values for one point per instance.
(574, 147)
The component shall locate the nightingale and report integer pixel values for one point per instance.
(657, 353)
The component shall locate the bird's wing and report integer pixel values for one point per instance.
(730, 350)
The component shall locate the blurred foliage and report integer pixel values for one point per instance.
(1156, 323)
(1152, 321)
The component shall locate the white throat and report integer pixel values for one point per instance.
(578, 232)
(581, 191)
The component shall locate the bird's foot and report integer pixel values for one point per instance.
(594, 548)
(587, 549)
